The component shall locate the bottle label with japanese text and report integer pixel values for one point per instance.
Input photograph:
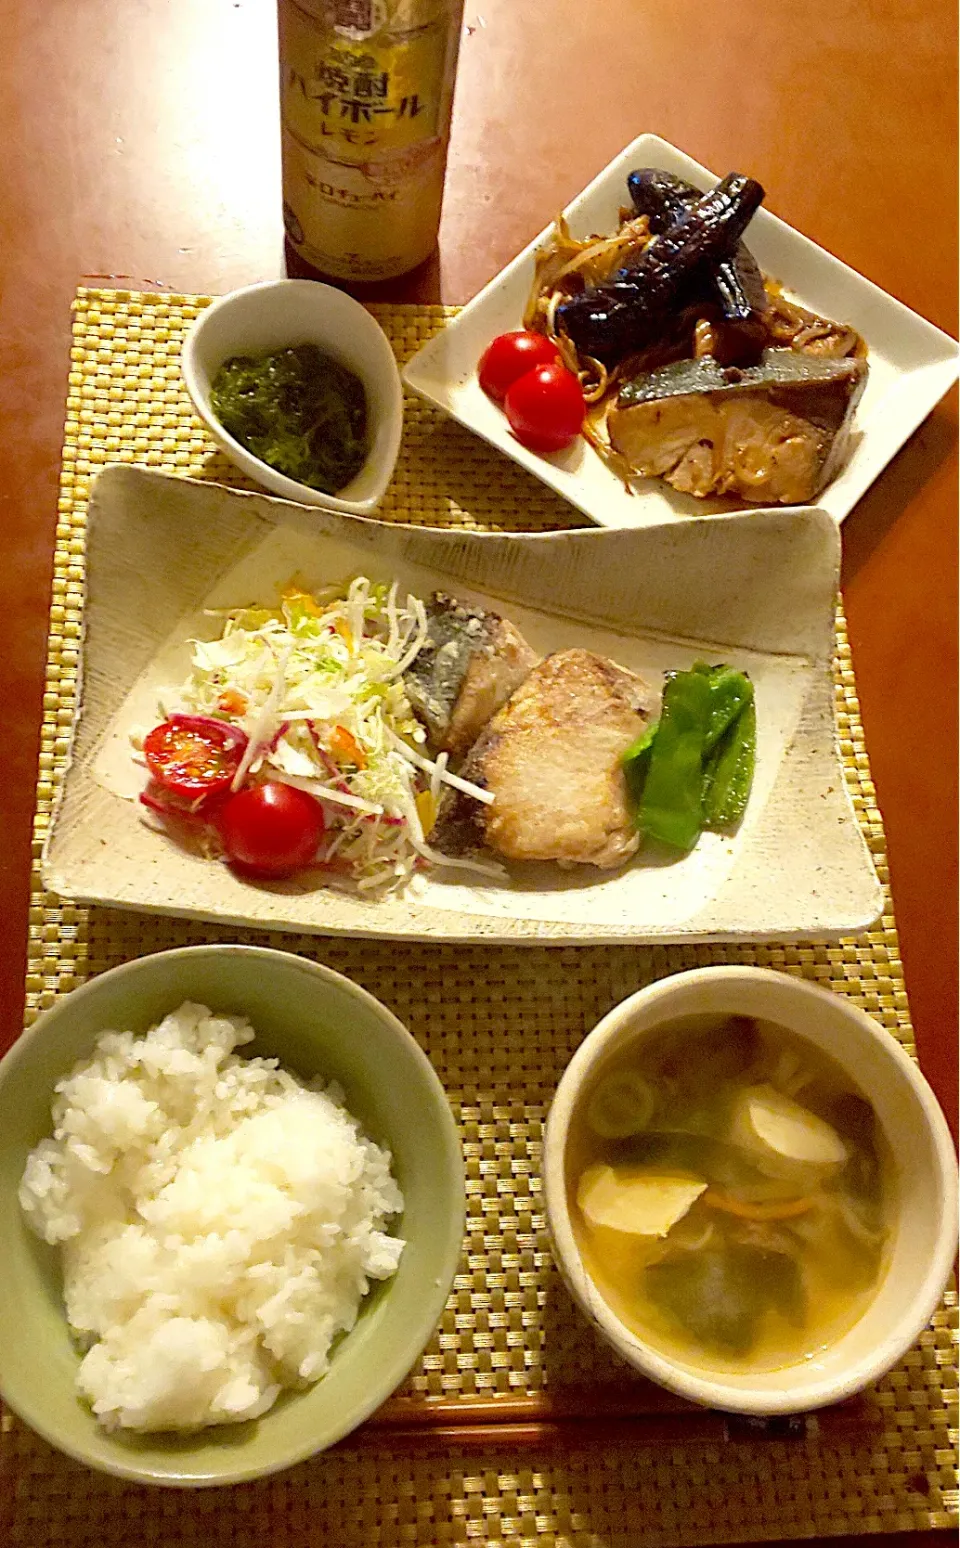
(366, 89)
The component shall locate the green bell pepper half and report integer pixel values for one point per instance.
(694, 767)
(728, 774)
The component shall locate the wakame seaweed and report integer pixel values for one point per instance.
(297, 410)
(718, 1298)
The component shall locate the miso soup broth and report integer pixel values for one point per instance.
(730, 1193)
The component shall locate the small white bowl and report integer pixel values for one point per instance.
(924, 1233)
(280, 314)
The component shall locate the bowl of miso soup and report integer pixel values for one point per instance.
(750, 1190)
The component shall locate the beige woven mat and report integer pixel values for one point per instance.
(499, 1025)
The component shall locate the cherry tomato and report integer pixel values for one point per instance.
(193, 756)
(510, 356)
(545, 408)
(271, 829)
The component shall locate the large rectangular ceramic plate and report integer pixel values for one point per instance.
(758, 591)
(912, 364)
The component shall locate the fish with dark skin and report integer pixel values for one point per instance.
(470, 664)
(551, 758)
(774, 433)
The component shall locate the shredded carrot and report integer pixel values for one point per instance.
(783, 1209)
(294, 593)
(341, 627)
(346, 748)
(232, 702)
(426, 805)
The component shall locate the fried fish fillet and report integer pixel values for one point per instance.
(551, 759)
(470, 664)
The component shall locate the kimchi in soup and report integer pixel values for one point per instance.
(730, 1193)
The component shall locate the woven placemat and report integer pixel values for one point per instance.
(499, 1025)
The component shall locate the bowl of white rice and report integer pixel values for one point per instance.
(232, 1204)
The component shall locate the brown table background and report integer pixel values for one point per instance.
(141, 147)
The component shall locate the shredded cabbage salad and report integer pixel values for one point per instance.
(316, 686)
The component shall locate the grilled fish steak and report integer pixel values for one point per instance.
(470, 664)
(551, 759)
(773, 433)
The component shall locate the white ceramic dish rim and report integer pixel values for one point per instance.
(382, 458)
(614, 1029)
(396, 1365)
(602, 505)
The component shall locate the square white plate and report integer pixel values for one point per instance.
(912, 363)
(757, 590)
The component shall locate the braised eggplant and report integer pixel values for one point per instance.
(627, 314)
(663, 198)
(735, 282)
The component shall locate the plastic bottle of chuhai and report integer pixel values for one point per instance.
(366, 90)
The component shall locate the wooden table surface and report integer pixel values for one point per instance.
(141, 146)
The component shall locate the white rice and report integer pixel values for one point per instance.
(220, 1222)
